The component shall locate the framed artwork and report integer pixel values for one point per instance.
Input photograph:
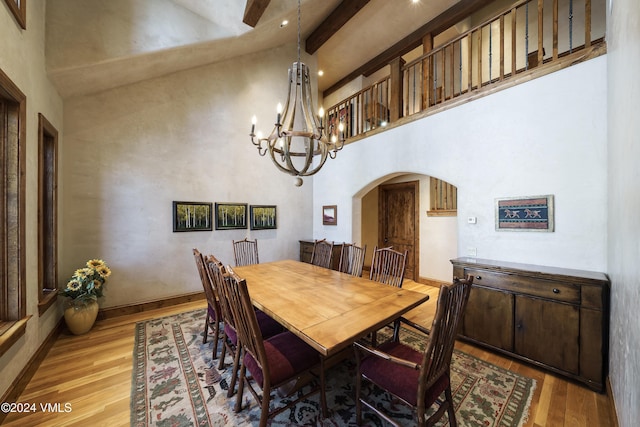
(533, 213)
(330, 215)
(19, 10)
(263, 217)
(192, 216)
(231, 216)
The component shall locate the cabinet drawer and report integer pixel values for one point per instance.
(548, 289)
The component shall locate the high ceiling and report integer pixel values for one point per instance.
(191, 33)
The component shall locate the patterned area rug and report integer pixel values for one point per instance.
(176, 383)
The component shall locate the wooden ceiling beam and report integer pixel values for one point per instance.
(253, 11)
(439, 24)
(336, 20)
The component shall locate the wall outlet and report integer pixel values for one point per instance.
(471, 251)
(472, 220)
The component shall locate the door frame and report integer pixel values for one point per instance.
(415, 187)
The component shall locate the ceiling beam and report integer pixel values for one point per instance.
(336, 20)
(442, 22)
(253, 11)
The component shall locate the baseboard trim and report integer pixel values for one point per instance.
(20, 383)
(122, 310)
(432, 282)
(612, 404)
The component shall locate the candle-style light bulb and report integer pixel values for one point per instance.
(321, 115)
(254, 120)
(279, 111)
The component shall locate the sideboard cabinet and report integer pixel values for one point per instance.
(552, 317)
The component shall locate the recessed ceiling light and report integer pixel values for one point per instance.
(284, 23)
(320, 73)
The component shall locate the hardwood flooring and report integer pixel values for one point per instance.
(89, 377)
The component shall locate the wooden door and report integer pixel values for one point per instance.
(398, 222)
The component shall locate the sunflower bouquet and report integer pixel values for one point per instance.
(87, 283)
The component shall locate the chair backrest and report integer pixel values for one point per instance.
(387, 266)
(322, 251)
(452, 301)
(218, 275)
(249, 334)
(205, 278)
(352, 259)
(245, 252)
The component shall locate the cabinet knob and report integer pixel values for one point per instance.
(478, 277)
(556, 290)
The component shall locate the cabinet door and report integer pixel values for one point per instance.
(488, 318)
(548, 332)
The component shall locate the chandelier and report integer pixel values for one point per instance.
(299, 135)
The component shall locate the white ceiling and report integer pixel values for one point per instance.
(181, 34)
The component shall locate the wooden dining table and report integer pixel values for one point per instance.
(327, 309)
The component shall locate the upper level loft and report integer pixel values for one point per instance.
(505, 44)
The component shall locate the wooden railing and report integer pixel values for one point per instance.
(363, 111)
(510, 43)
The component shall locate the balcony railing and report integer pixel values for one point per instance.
(363, 111)
(521, 40)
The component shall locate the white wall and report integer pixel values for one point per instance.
(22, 60)
(547, 136)
(624, 201)
(131, 151)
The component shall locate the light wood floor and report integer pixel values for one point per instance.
(92, 373)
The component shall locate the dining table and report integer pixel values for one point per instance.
(327, 309)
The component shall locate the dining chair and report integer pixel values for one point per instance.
(214, 314)
(245, 252)
(267, 325)
(322, 251)
(352, 259)
(387, 266)
(417, 378)
(269, 362)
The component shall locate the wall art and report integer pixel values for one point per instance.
(533, 213)
(230, 216)
(192, 216)
(263, 217)
(330, 215)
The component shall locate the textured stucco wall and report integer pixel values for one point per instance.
(547, 136)
(133, 150)
(22, 60)
(624, 204)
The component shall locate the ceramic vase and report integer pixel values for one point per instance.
(80, 315)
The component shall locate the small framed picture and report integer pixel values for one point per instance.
(230, 216)
(192, 216)
(330, 215)
(534, 213)
(263, 217)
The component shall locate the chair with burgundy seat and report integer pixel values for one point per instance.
(245, 252)
(268, 326)
(214, 314)
(417, 379)
(322, 251)
(269, 362)
(352, 259)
